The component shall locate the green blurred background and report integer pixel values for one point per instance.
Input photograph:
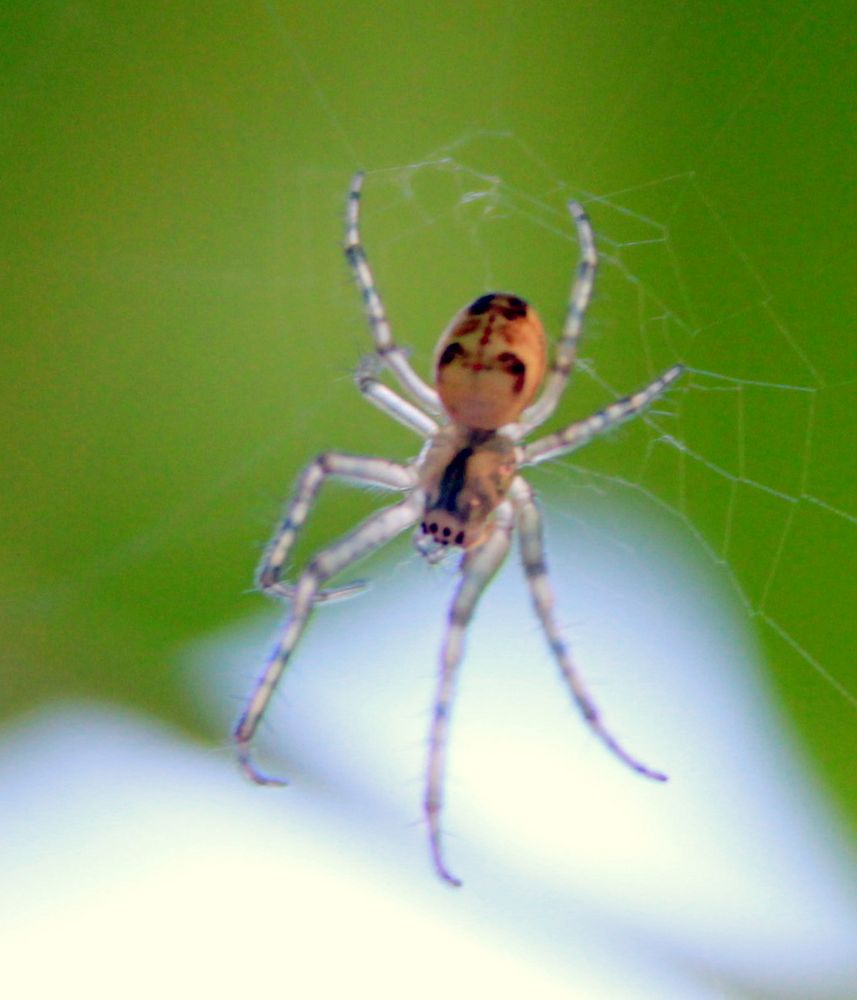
(179, 329)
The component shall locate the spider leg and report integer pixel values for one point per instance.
(583, 431)
(479, 566)
(391, 402)
(330, 595)
(388, 350)
(529, 523)
(357, 468)
(566, 349)
(374, 532)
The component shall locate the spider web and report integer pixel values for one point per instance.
(187, 174)
(746, 455)
(743, 457)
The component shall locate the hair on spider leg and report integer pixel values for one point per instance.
(330, 595)
(369, 366)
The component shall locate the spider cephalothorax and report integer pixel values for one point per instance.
(463, 491)
(466, 475)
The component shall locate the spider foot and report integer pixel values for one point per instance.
(437, 850)
(649, 772)
(441, 869)
(632, 762)
(252, 772)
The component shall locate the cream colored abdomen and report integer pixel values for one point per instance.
(490, 361)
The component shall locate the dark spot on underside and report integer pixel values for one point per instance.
(508, 306)
(512, 307)
(512, 365)
(452, 482)
(482, 304)
(450, 353)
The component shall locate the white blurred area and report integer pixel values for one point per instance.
(137, 864)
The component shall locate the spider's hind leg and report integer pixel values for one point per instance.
(390, 353)
(390, 402)
(578, 302)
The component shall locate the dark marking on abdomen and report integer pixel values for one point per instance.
(512, 307)
(482, 304)
(450, 353)
(512, 365)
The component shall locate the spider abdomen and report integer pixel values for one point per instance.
(490, 361)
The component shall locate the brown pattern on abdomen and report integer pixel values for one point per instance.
(490, 361)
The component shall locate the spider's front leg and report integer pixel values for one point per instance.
(479, 566)
(356, 468)
(529, 524)
(374, 532)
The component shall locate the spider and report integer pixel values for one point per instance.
(463, 491)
